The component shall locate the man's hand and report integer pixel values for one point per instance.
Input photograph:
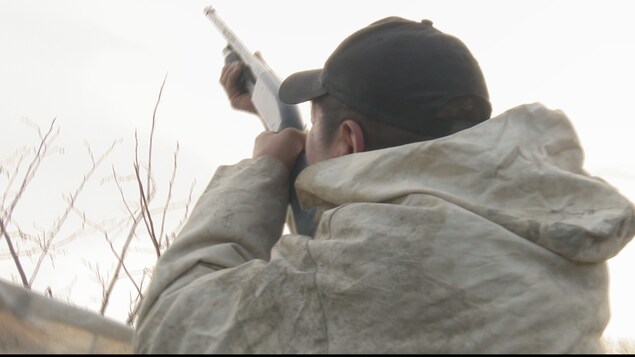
(285, 146)
(238, 97)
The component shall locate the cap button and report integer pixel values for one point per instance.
(426, 22)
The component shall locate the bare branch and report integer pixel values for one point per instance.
(115, 224)
(169, 197)
(90, 151)
(120, 258)
(124, 250)
(123, 197)
(28, 176)
(154, 115)
(121, 262)
(100, 279)
(32, 169)
(14, 254)
(136, 303)
(59, 222)
(147, 216)
(11, 178)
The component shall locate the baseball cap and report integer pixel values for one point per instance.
(397, 71)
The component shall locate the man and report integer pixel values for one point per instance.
(440, 230)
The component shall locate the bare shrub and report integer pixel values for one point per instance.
(144, 224)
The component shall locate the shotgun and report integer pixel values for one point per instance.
(263, 86)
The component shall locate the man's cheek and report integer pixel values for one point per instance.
(311, 150)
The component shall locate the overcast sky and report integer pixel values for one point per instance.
(97, 66)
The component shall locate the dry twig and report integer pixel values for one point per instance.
(5, 218)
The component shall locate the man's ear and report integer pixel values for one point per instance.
(349, 139)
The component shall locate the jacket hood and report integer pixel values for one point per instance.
(522, 170)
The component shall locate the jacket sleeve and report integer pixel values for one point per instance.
(238, 218)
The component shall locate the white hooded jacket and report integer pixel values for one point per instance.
(491, 240)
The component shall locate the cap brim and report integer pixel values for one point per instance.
(301, 87)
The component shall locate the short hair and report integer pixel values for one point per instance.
(379, 135)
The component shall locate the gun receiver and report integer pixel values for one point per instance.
(263, 85)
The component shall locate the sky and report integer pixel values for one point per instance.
(97, 67)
